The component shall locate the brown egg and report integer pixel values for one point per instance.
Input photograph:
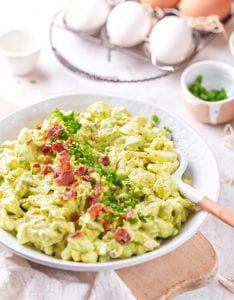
(204, 8)
(160, 3)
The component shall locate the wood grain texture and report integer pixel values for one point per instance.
(217, 210)
(190, 266)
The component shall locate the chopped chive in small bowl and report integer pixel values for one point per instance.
(201, 92)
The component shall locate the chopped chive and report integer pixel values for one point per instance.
(154, 119)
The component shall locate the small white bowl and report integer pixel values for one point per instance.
(216, 75)
(20, 49)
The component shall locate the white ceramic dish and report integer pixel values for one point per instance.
(216, 75)
(202, 167)
(20, 49)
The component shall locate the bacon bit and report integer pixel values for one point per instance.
(128, 215)
(47, 160)
(106, 225)
(80, 171)
(105, 160)
(92, 138)
(29, 141)
(71, 140)
(47, 169)
(122, 236)
(64, 162)
(39, 126)
(69, 195)
(88, 178)
(95, 210)
(57, 147)
(97, 189)
(53, 132)
(36, 165)
(74, 217)
(66, 178)
(91, 199)
(76, 234)
(46, 149)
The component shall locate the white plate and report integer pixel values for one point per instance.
(202, 167)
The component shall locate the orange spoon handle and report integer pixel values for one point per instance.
(217, 210)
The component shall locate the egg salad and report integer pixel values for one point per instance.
(91, 186)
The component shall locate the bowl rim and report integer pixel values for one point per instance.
(210, 62)
(46, 260)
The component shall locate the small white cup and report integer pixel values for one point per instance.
(20, 49)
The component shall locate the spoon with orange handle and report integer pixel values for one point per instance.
(195, 196)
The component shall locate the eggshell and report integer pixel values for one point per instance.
(204, 8)
(170, 41)
(161, 3)
(129, 24)
(87, 16)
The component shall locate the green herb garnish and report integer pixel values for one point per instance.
(133, 221)
(110, 175)
(33, 81)
(154, 119)
(70, 121)
(142, 217)
(199, 91)
(82, 153)
(166, 128)
(110, 218)
(120, 205)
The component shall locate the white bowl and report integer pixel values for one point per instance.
(216, 75)
(202, 167)
(20, 50)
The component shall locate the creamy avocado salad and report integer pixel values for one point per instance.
(91, 186)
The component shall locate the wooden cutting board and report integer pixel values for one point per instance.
(190, 266)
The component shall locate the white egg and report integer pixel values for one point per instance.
(87, 15)
(129, 24)
(170, 41)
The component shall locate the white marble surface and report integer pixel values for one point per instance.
(52, 78)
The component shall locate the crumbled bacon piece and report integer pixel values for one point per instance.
(39, 126)
(69, 195)
(128, 215)
(76, 234)
(57, 147)
(53, 132)
(74, 217)
(106, 225)
(66, 178)
(122, 236)
(81, 171)
(91, 199)
(36, 165)
(65, 164)
(47, 160)
(88, 178)
(29, 141)
(105, 160)
(46, 149)
(47, 169)
(71, 140)
(95, 210)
